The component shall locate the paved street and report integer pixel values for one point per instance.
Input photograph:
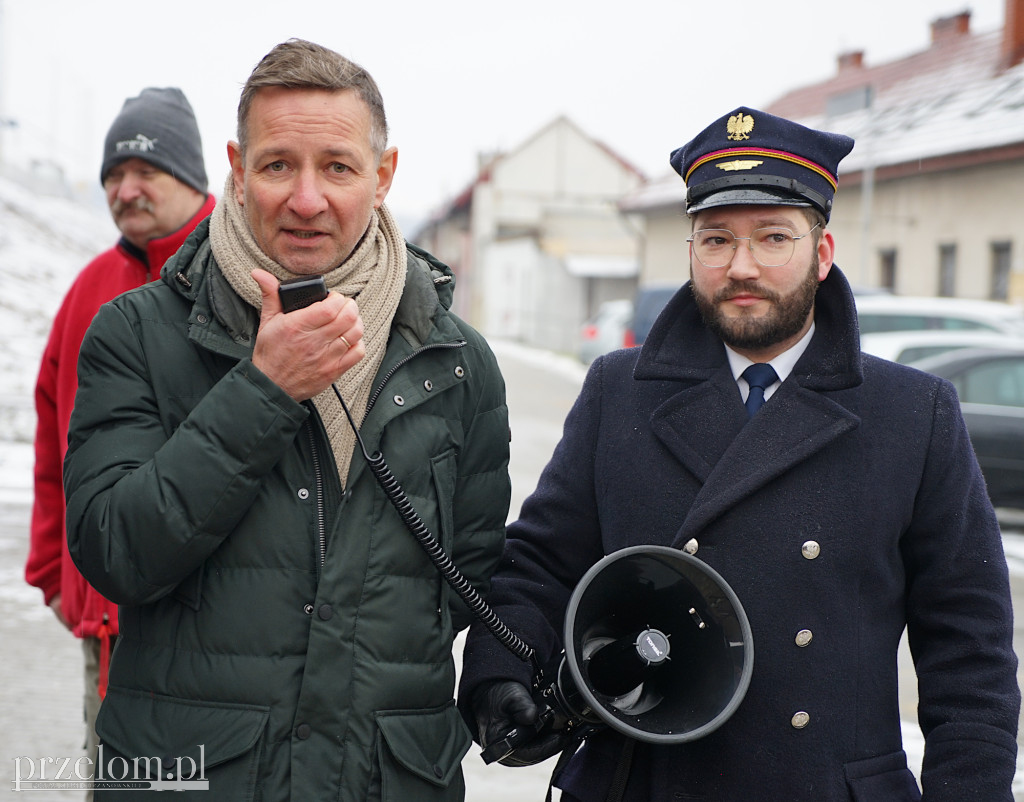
(41, 691)
(40, 696)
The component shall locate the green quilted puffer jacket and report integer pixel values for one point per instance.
(292, 639)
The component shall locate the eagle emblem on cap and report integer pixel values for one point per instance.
(739, 127)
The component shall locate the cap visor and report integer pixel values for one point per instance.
(744, 197)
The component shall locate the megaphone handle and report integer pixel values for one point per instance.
(514, 738)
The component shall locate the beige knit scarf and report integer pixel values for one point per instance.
(374, 274)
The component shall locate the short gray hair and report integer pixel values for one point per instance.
(298, 64)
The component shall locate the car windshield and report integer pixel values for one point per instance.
(999, 382)
(871, 322)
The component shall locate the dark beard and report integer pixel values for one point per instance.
(785, 319)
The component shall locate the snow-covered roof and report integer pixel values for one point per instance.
(952, 100)
(932, 115)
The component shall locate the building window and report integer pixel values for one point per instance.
(947, 271)
(1000, 271)
(887, 268)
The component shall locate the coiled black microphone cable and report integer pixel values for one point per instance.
(451, 573)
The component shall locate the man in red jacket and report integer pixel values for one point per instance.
(155, 182)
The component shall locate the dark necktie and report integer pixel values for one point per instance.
(758, 376)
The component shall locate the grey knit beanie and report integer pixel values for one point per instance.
(159, 127)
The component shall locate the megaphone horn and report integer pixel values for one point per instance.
(657, 647)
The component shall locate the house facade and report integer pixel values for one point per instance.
(536, 241)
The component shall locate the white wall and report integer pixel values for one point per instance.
(971, 208)
(530, 297)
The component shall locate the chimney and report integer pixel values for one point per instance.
(854, 59)
(947, 28)
(1013, 34)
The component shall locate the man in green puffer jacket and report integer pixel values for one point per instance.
(283, 635)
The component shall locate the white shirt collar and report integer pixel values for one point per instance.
(783, 364)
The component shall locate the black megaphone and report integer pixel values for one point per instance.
(657, 647)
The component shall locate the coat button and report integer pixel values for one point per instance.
(438, 771)
(307, 609)
(325, 612)
(303, 493)
(803, 637)
(800, 720)
(202, 318)
(810, 549)
(399, 401)
(691, 546)
(303, 731)
(459, 371)
(428, 385)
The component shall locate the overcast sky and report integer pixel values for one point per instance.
(459, 77)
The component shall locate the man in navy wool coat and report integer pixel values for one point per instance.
(847, 508)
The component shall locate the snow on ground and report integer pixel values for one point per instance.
(44, 242)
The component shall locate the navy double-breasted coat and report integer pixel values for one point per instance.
(849, 508)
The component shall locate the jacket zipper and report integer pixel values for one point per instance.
(318, 478)
(394, 368)
(321, 525)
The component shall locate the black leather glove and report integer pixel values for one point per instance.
(505, 705)
(500, 707)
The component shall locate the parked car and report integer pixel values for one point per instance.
(909, 346)
(647, 305)
(990, 383)
(903, 313)
(861, 289)
(606, 330)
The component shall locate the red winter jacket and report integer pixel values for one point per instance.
(49, 566)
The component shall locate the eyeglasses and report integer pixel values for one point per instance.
(770, 247)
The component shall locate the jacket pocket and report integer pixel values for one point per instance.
(420, 754)
(885, 778)
(215, 745)
(444, 469)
